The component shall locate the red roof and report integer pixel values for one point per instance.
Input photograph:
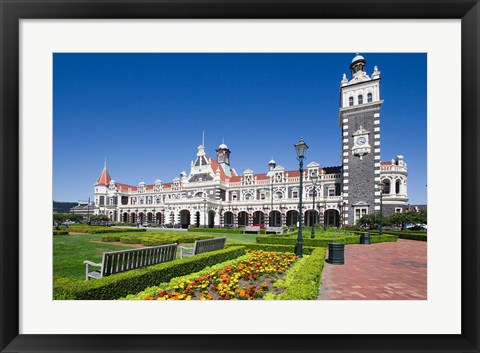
(215, 165)
(125, 187)
(386, 163)
(104, 178)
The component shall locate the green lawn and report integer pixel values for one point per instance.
(234, 238)
(69, 251)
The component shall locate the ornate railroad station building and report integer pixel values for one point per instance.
(212, 194)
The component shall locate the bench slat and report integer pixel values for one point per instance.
(121, 261)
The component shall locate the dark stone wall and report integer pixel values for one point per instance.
(361, 171)
(387, 210)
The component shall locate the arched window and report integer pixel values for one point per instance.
(369, 98)
(397, 187)
(350, 101)
(360, 99)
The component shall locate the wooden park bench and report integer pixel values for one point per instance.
(126, 260)
(201, 246)
(274, 230)
(250, 229)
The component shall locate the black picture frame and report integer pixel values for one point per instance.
(12, 11)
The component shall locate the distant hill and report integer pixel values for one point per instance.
(63, 207)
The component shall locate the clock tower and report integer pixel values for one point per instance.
(360, 105)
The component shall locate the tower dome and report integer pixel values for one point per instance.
(357, 65)
(358, 57)
(223, 146)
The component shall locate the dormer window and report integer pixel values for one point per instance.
(369, 98)
(350, 101)
(360, 99)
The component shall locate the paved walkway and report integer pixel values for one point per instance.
(385, 271)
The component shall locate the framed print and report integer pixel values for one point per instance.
(87, 75)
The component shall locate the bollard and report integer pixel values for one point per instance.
(336, 253)
(365, 238)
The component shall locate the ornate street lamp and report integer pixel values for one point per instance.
(324, 215)
(301, 148)
(204, 210)
(314, 179)
(381, 186)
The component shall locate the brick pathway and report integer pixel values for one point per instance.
(385, 271)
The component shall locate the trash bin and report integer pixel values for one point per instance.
(336, 253)
(365, 238)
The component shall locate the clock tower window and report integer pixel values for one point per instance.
(360, 99)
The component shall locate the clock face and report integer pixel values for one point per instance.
(361, 141)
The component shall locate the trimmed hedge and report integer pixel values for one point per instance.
(155, 239)
(323, 242)
(60, 232)
(110, 238)
(307, 250)
(302, 282)
(412, 236)
(216, 230)
(405, 234)
(220, 230)
(122, 284)
(99, 229)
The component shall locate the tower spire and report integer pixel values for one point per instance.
(203, 138)
(104, 177)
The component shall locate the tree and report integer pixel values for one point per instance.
(421, 217)
(370, 221)
(399, 219)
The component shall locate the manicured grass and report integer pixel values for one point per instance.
(69, 252)
(231, 238)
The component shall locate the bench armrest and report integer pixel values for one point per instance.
(90, 263)
(87, 267)
(188, 251)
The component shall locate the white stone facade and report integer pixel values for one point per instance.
(212, 194)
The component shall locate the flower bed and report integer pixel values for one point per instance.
(249, 277)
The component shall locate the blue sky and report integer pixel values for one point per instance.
(145, 113)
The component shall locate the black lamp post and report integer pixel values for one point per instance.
(381, 186)
(204, 210)
(325, 215)
(314, 179)
(271, 203)
(301, 148)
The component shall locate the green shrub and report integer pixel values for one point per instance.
(110, 238)
(323, 241)
(122, 284)
(100, 229)
(302, 282)
(217, 230)
(316, 242)
(412, 236)
(60, 232)
(155, 241)
(385, 238)
(272, 247)
(353, 227)
(131, 239)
